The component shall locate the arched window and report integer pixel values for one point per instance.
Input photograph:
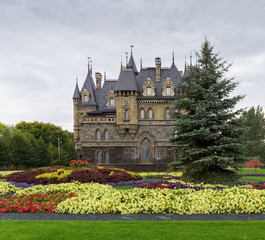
(111, 101)
(86, 98)
(106, 135)
(98, 135)
(126, 114)
(167, 113)
(98, 157)
(142, 113)
(150, 113)
(106, 157)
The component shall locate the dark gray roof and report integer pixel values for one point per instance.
(172, 72)
(76, 92)
(101, 95)
(131, 65)
(90, 86)
(126, 81)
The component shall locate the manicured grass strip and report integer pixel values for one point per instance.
(251, 171)
(262, 179)
(48, 230)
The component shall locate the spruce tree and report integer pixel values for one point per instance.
(208, 132)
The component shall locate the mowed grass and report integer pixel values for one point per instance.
(262, 179)
(199, 230)
(251, 171)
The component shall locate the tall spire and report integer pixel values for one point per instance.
(141, 63)
(77, 94)
(105, 76)
(126, 59)
(173, 57)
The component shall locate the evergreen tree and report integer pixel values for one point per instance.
(254, 122)
(208, 134)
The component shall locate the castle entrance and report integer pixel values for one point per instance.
(146, 151)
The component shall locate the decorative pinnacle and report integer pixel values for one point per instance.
(173, 56)
(131, 48)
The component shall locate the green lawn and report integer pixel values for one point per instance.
(48, 230)
(262, 179)
(251, 171)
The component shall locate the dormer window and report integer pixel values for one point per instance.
(168, 91)
(148, 91)
(85, 95)
(168, 88)
(148, 87)
(111, 101)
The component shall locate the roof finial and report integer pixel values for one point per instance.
(121, 62)
(141, 63)
(76, 80)
(126, 59)
(131, 48)
(91, 66)
(185, 63)
(105, 76)
(88, 63)
(190, 58)
(173, 56)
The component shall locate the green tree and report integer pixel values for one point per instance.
(208, 132)
(254, 122)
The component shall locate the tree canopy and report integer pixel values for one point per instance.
(254, 122)
(208, 132)
(35, 145)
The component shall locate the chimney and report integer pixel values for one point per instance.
(98, 80)
(158, 68)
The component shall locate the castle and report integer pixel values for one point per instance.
(126, 123)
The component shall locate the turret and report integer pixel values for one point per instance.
(76, 100)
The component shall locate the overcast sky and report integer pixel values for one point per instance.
(44, 45)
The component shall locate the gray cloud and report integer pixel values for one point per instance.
(44, 45)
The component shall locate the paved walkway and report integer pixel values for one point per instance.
(131, 217)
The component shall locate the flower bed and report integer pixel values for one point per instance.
(6, 188)
(38, 202)
(59, 174)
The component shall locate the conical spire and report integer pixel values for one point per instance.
(77, 94)
(131, 63)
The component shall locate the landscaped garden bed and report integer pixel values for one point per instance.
(159, 193)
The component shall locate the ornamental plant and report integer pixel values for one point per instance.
(79, 163)
(34, 203)
(208, 133)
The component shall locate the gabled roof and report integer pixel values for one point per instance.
(90, 86)
(76, 92)
(126, 81)
(131, 65)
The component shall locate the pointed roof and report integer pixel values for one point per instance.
(126, 81)
(77, 92)
(131, 65)
(89, 85)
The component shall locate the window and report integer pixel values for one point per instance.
(148, 91)
(150, 113)
(99, 157)
(98, 135)
(167, 113)
(168, 91)
(111, 101)
(86, 98)
(142, 113)
(106, 135)
(126, 114)
(107, 157)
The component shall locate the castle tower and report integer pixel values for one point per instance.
(126, 93)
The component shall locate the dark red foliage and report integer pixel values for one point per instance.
(83, 175)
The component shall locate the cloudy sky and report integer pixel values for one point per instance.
(44, 46)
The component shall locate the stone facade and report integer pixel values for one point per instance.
(126, 123)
